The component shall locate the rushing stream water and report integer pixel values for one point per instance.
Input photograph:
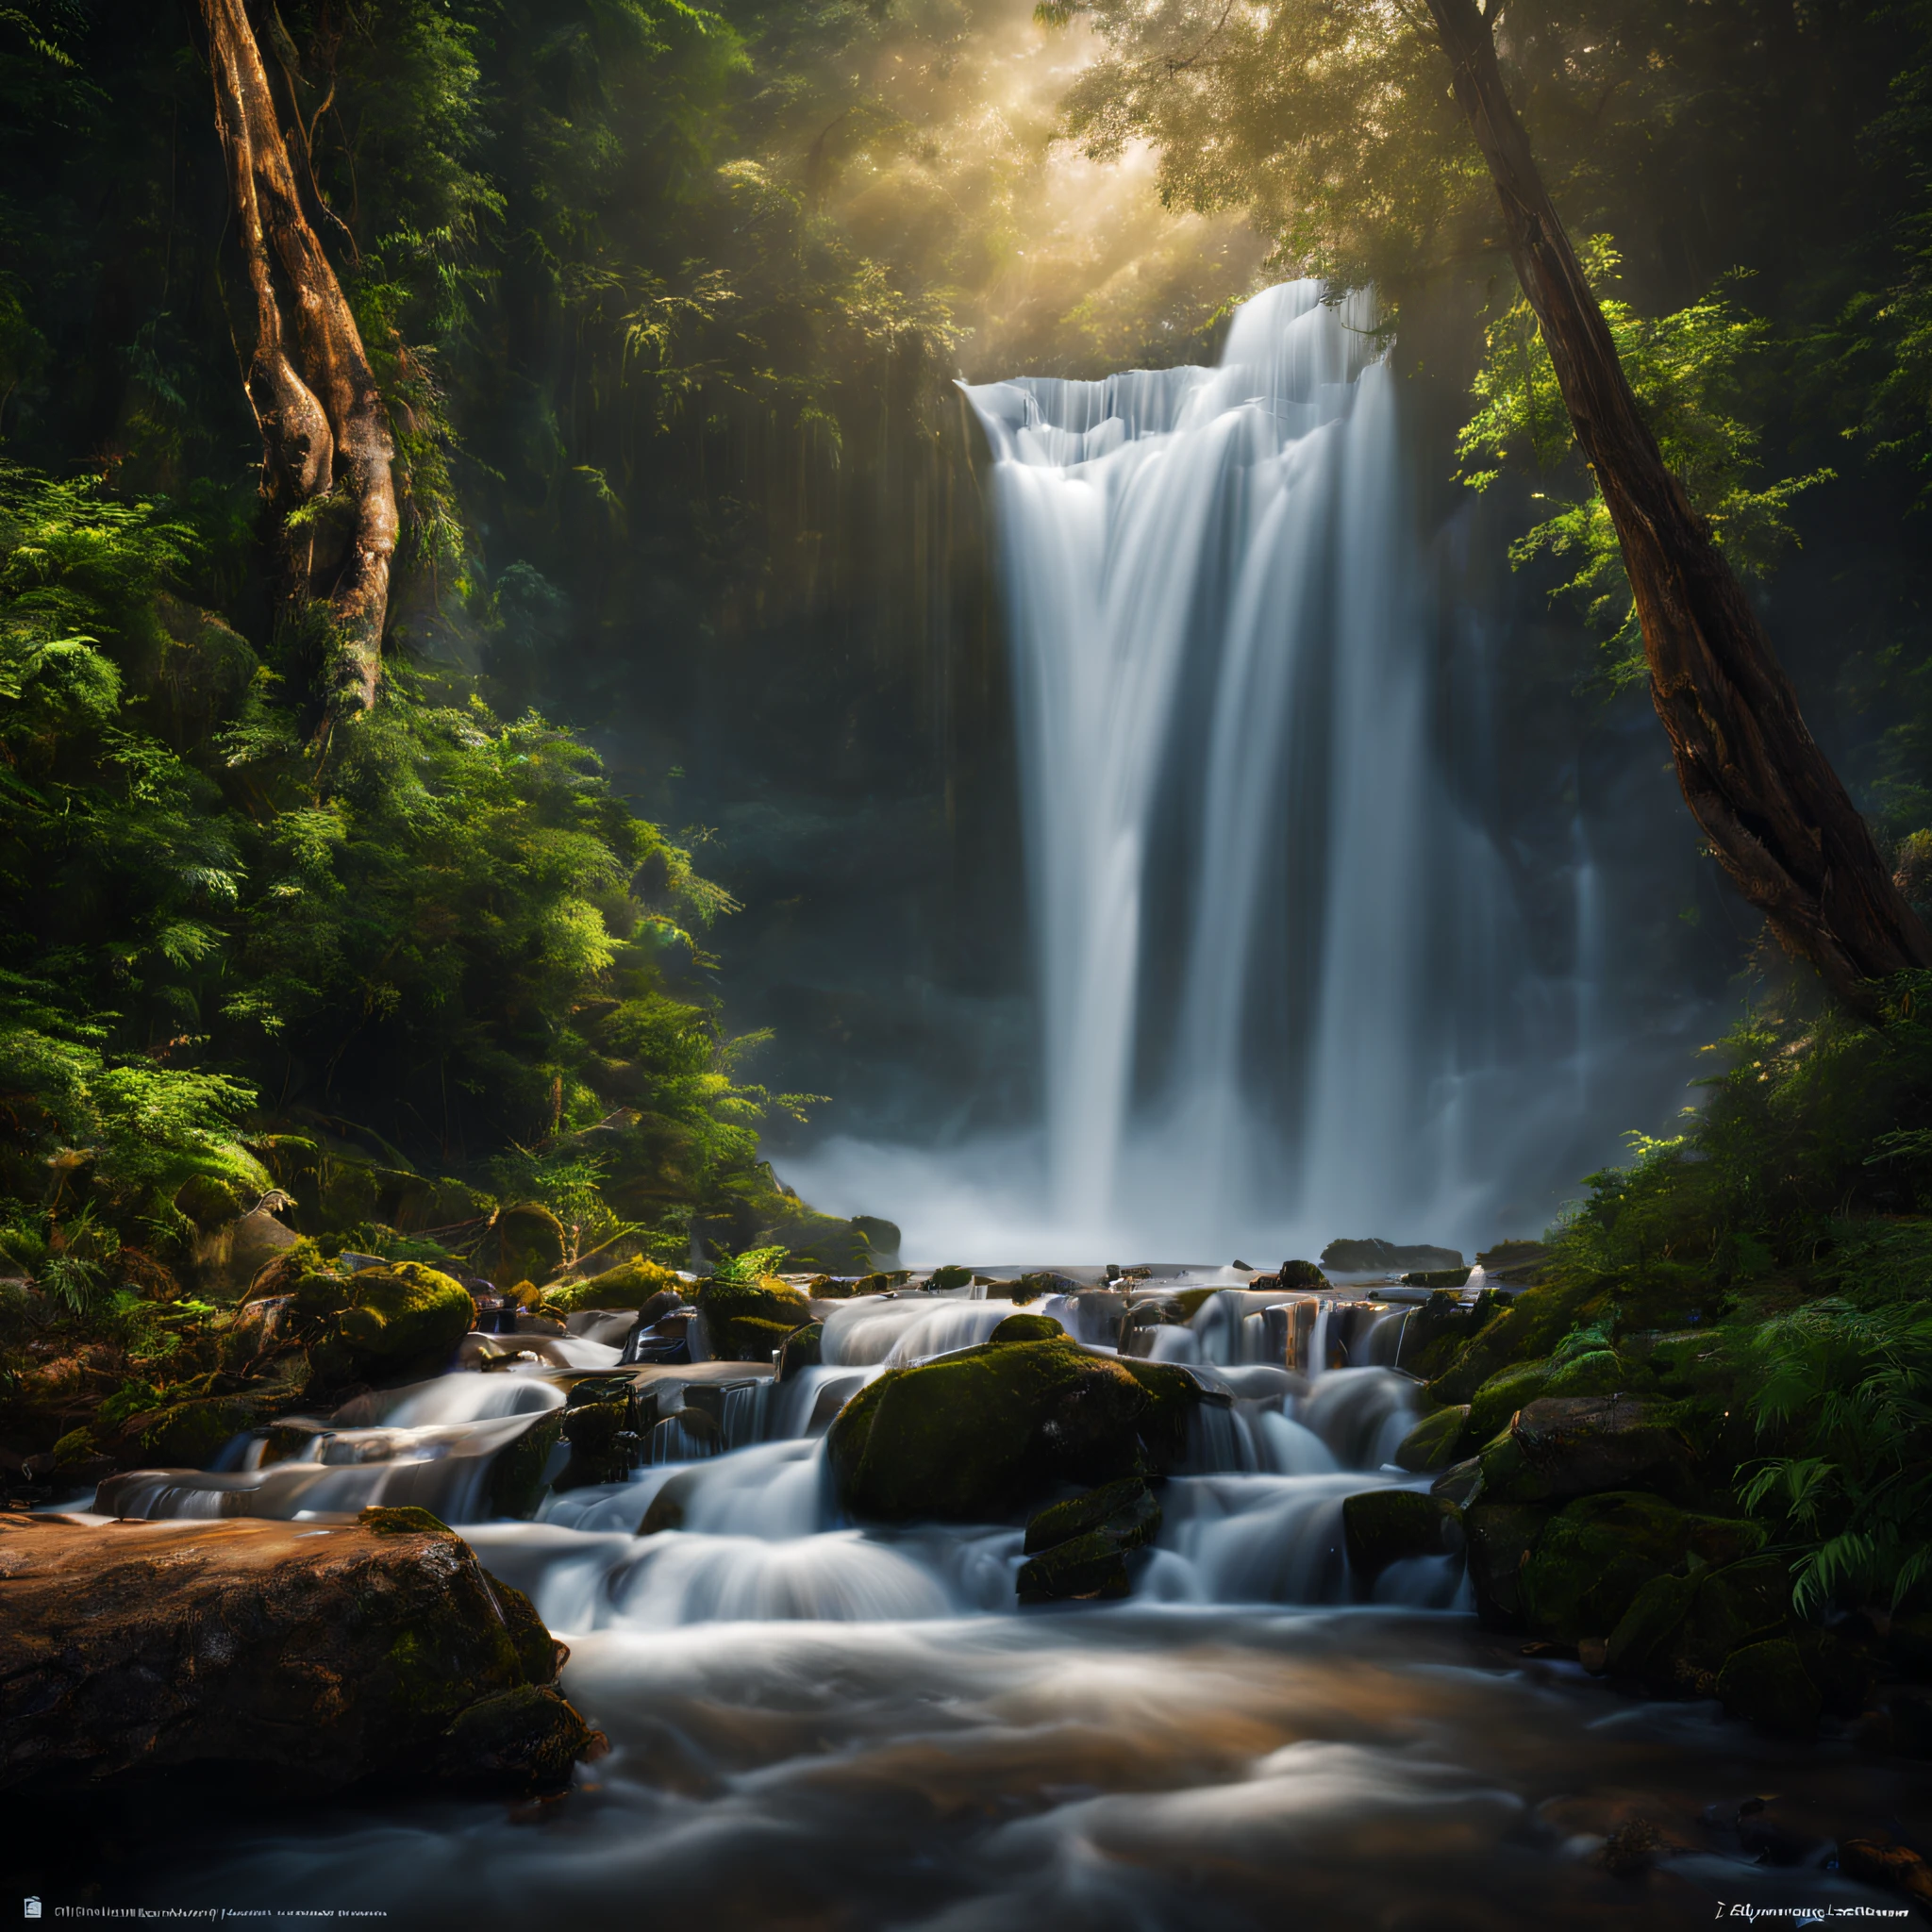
(818, 1724)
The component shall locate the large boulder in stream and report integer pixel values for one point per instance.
(315, 1656)
(399, 1322)
(749, 1321)
(972, 1437)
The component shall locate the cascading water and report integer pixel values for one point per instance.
(1237, 838)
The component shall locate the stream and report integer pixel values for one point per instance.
(815, 1723)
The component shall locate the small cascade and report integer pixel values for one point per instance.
(897, 1331)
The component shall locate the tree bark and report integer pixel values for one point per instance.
(1778, 819)
(326, 448)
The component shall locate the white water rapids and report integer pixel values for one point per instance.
(816, 1724)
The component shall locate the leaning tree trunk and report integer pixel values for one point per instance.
(1777, 815)
(326, 443)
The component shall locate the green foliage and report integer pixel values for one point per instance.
(1689, 371)
(1853, 1386)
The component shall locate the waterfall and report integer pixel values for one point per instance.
(1242, 851)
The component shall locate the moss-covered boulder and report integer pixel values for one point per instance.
(1301, 1275)
(971, 1436)
(401, 1323)
(601, 1424)
(1501, 1537)
(1385, 1526)
(1433, 1333)
(526, 1243)
(1431, 1445)
(1517, 1331)
(749, 1321)
(802, 1349)
(1595, 1372)
(1765, 1684)
(629, 1284)
(1581, 1444)
(1491, 1406)
(1079, 1549)
(314, 1656)
(1027, 1328)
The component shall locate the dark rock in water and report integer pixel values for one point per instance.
(1430, 1444)
(1079, 1549)
(1385, 1526)
(1027, 1328)
(1375, 1256)
(1301, 1275)
(316, 1655)
(1766, 1685)
(970, 1436)
(600, 1424)
(520, 1472)
(1877, 1863)
(392, 1323)
(1127, 1510)
(1501, 1537)
(949, 1277)
(800, 1349)
(1437, 1277)
(1083, 1568)
(1579, 1445)
(748, 1321)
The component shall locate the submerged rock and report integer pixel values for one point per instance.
(1079, 1549)
(321, 1655)
(970, 1436)
(1385, 1526)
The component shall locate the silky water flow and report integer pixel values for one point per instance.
(817, 1724)
(1282, 982)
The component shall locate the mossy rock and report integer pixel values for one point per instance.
(189, 1435)
(970, 1437)
(1385, 1526)
(950, 1276)
(1437, 1277)
(1599, 1372)
(801, 1348)
(1591, 1560)
(527, 1243)
(1432, 1443)
(1080, 1570)
(1765, 1684)
(518, 1479)
(1502, 1395)
(403, 1520)
(1501, 1537)
(629, 1284)
(1434, 1333)
(1027, 1328)
(529, 1738)
(1126, 1509)
(744, 1322)
(1301, 1275)
(403, 1321)
(1582, 1444)
(600, 1426)
(1523, 1330)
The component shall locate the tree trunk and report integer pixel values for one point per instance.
(1777, 815)
(326, 443)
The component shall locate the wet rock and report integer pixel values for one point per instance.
(1501, 1537)
(1875, 1862)
(1765, 1684)
(642, 1284)
(600, 1424)
(520, 1472)
(1079, 1549)
(316, 1655)
(1432, 1443)
(801, 1349)
(1495, 1404)
(401, 1323)
(1437, 1277)
(1634, 1847)
(1127, 1510)
(968, 1438)
(1385, 1526)
(1461, 1483)
(1376, 1257)
(1300, 1274)
(1593, 1557)
(749, 1322)
(1027, 1328)
(1580, 1445)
